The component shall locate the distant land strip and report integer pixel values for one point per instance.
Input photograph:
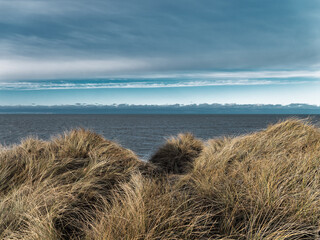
(294, 108)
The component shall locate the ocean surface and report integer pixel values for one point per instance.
(141, 133)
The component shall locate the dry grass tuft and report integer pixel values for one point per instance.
(177, 154)
(67, 180)
(151, 209)
(265, 185)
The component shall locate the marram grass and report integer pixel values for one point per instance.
(264, 185)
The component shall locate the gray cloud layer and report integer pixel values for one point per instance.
(161, 35)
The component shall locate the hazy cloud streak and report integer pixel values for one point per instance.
(46, 69)
(29, 69)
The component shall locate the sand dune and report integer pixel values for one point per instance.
(265, 185)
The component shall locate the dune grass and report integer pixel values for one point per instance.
(176, 156)
(265, 185)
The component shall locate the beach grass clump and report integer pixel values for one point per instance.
(151, 209)
(67, 179)
(264, 185)
(177, 154)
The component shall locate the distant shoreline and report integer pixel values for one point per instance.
(301, 109)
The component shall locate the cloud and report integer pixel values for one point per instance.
(130, 68)
(48, 69)
(189, 35)
(128, 84)
(264, 74)
(48, 79)
(15, 10)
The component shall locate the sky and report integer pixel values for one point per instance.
(159, 52)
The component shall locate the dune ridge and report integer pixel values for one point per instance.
(264, 185)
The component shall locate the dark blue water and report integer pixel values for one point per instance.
(140, 133)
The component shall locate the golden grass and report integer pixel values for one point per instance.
(264, 185)
(177, 154)
(61, 183)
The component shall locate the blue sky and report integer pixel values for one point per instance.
(159, 52)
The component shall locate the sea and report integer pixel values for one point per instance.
(143, 134)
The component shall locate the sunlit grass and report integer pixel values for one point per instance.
(264, 185)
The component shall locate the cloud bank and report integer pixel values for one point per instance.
(77, 38)
(29, 69)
